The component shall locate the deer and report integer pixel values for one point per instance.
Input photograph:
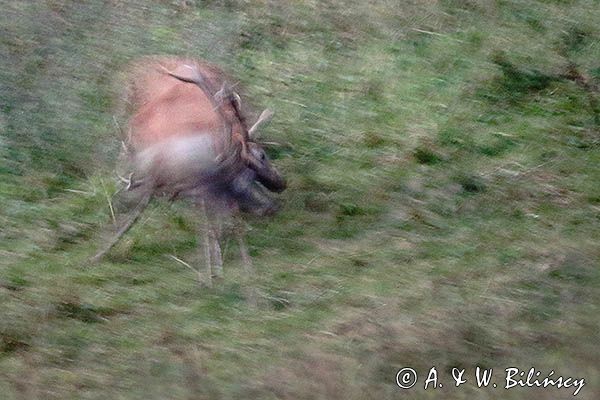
(188, 138)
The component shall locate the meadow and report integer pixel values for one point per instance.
(443, 208)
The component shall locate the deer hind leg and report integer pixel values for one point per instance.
(147, 193)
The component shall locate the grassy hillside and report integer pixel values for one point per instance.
(443, 205)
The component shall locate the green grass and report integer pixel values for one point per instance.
(443, 204)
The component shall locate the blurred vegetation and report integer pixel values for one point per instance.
(443, 209)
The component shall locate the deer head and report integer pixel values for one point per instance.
(257, 160)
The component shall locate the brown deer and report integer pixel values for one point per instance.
(188, 138)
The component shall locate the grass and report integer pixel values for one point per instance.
(443, 206)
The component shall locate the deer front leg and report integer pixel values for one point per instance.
(216, 254)
(206, 245)
(251, 293)
(240, 232)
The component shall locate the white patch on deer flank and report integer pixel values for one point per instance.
(179, 160)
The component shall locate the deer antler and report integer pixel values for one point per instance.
(264, 117)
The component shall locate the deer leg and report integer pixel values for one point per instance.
(206, 236)
(207, 274)
(137, 211)
(250, 290)
(215, 249)
(240, 232)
